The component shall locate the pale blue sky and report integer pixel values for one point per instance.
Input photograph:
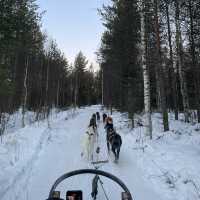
(74, 24)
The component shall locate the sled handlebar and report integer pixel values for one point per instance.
(126, 195)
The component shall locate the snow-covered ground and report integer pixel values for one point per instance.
(165, 168)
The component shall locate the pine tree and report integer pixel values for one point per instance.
(119, 55)
(80, 64)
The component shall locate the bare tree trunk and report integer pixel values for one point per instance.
(102, 88)
(130, 103)
(158, 95)
(172, 67)
(132, 121)
(39, 107)
(160, 72)
(4, 120)
(147, 105)
(71, 86)
(57, 96)
(194, 61)
(76, 89)
(25, 93)
(47, 109)
(111, 107)
(180, 63)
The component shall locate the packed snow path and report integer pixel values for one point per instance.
(33, 157)
(60, 153)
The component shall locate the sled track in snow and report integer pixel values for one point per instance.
(24, 173)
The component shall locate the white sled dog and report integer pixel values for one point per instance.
(88, 143)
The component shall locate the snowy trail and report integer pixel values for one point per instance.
(61, 154)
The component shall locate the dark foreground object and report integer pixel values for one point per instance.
(126, 193)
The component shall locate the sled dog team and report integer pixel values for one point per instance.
(113, 139)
